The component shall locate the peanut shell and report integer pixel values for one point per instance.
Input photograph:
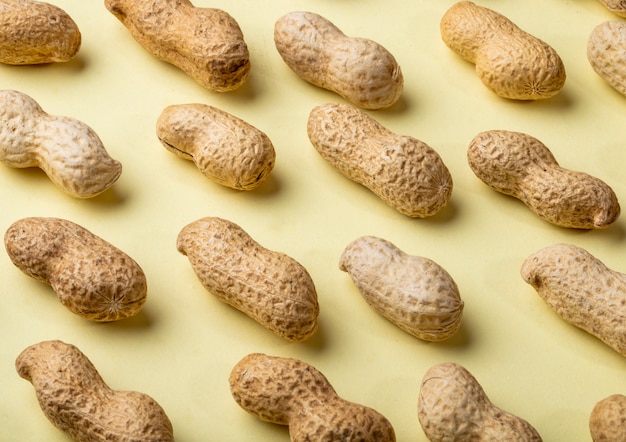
(606, 52)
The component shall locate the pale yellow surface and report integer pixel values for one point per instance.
(181, 348)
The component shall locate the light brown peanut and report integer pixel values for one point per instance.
(404, 172)
(75, 398)
(270, 287)
(606, 52)
(581, 290)
(66, 149)
(205, 43)
(90, 276)
(414, 293)
(509, 61)
(607, 421)
(453, 406)
(358, 69)
(521, 166)
(34, 32)
(226, 149)
(617, 7)
(288, 391)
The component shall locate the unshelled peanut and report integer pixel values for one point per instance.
(289, 391)
(521, 166)
(75, 398)
(269, 286)
(607, 421)
(606, 52)
(413, 292)
(90, 276)
(360, 70)
(618, 7)
(581, 290)
(509, 61)
(403, 171)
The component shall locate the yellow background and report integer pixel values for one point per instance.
(181, 348)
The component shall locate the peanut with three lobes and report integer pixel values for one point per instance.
(288, 391)
(75, 398)
(67, 150)
(90, 276)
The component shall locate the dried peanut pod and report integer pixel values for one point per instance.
(607, 422)
(453, 406)
(414, 293)
(67, 150)
(33, 32)
(606, 52)
(617, 7)
(75, 398)
(205, 43)
(581, 290)
(509, 61)
(521, 166)
(358, 69)
(226, 149)
(288, 391)
(270, 287)
(404, 172)
(90, 276)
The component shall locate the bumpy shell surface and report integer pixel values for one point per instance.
(607, 422)
(33, 32)
(73, 396)
(225, 148)
(617, 7)
(606, 52)
(288, 391)
(67, 150)
(90, 276)
(509, 61)
(453, 407)
(521, 166)
(270, 287)
(404, 172)
(358, 69)
(413, 292)
(205, 43)
(581, 290)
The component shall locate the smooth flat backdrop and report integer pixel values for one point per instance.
(181, 348)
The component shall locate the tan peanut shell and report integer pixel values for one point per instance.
(606, 52)
(358, 69)
(607, 421)
(509, 61)
(414, 293)
(205, 43)
(90, 276)
(226, 149)
(288, 391)
(617, 7)
(453, 406)
(404, 172)
(75, 398)
(34, 32)
(521, 166)
(581, 290)
(270, 287)
(66, 149)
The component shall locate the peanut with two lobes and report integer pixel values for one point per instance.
(404, 172)
(453, 406)
(581, 290)
(521, 166)
(287, 391)
(76, 400)
(414, 293)
(205, 43)
(358, 69)
(606, 52)
(509, 61)
(66, 149)
(34, 32)
(90, 276)
(607, 421)
(225, 148)
(268, 286)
